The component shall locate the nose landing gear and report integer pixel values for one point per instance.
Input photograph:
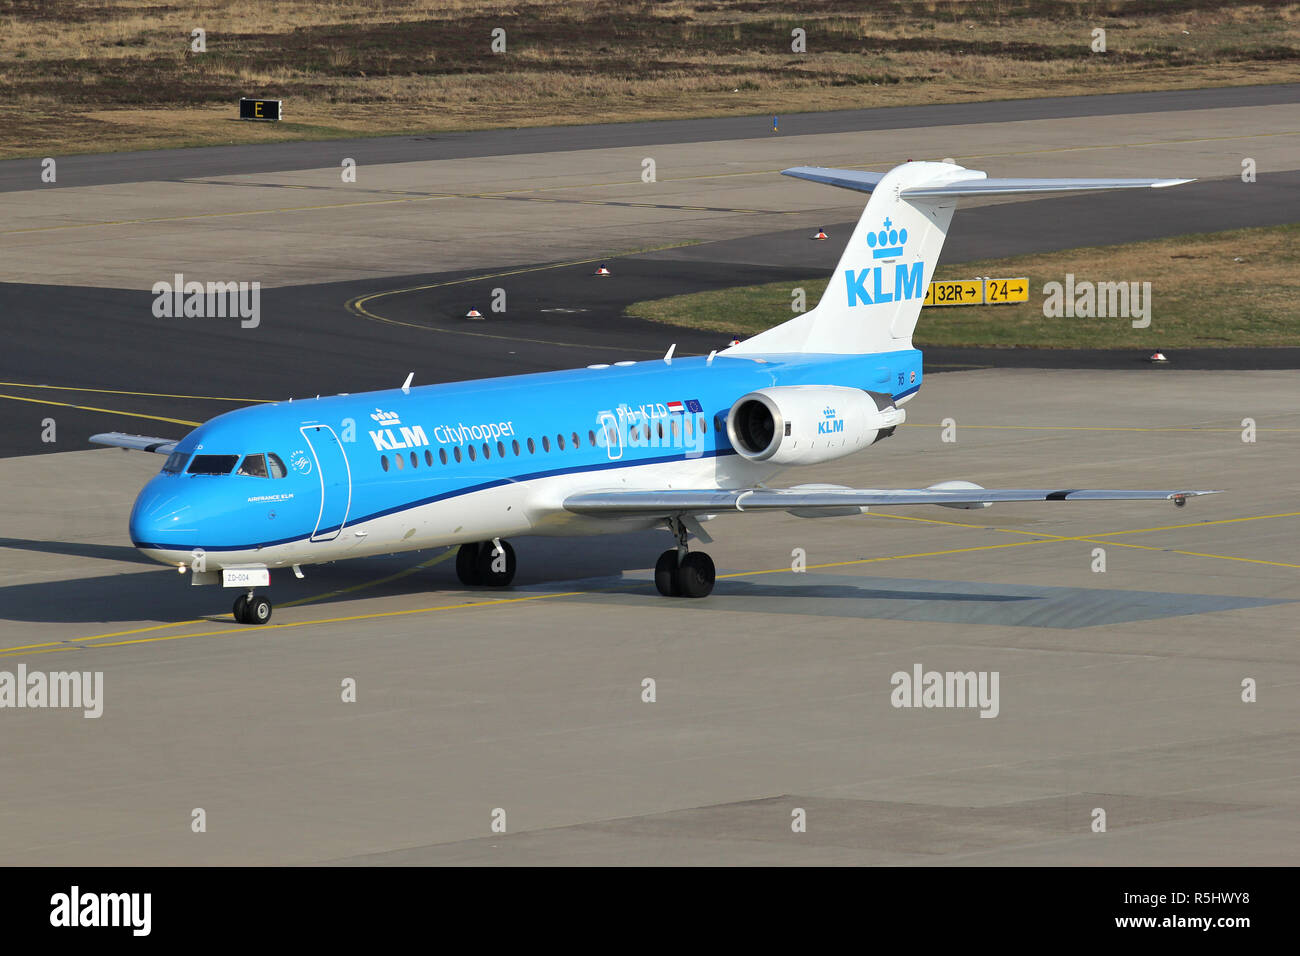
(252, 608)
(683, 573)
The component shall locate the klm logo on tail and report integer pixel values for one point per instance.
(887, 243)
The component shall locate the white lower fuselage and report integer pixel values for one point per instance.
(534, 506)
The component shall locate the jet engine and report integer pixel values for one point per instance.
(807, 424)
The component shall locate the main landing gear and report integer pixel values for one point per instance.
(252, 608)
(683, 573)
(486, 564)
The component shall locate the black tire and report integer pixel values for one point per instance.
(240, 609)
(666, 573)
(467, 565)
(488, 558)
(696, 575)
(258, 610)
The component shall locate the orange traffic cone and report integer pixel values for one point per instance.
(1157, 358)
(821, 234)
(603, 271)
(473, 314)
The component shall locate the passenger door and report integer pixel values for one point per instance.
(335, 481)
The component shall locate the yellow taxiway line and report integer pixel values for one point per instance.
(118, 391)
(86, 641)
(357, 305)
(109, 411)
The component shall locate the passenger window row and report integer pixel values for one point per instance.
(639, 433)
(270, 465)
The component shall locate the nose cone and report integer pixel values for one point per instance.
(163, 524)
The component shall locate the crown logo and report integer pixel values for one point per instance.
(888, 242)
(385, 418)
(828, 412)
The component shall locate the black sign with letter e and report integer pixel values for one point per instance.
(259, 109)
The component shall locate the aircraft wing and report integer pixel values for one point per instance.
(626, 504)
(161, 446)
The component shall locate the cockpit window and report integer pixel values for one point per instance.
(254, 466)
(213, 464)
(275, 465)
(175, 462)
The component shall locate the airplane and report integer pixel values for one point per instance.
(608, 448)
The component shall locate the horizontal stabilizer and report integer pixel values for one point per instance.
(956, 181)
(706, 501)
(160, 446)
(1014, 187)
(857, 179)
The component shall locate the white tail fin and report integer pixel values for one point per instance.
(875, 294)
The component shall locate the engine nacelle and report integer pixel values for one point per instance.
(806, 424)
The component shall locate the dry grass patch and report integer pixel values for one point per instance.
(428, 62)
(1229, 289)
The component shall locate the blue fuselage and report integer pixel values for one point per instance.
(395, 470)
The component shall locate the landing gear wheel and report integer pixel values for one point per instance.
(496, 569)
(679, 573)
(467, 564)
(258, 610)
(666, 573)
(252, 609)
(696, 575)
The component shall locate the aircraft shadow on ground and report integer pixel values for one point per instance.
(76, 549)
(610, 570)
(598, 565)
(164, 595)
